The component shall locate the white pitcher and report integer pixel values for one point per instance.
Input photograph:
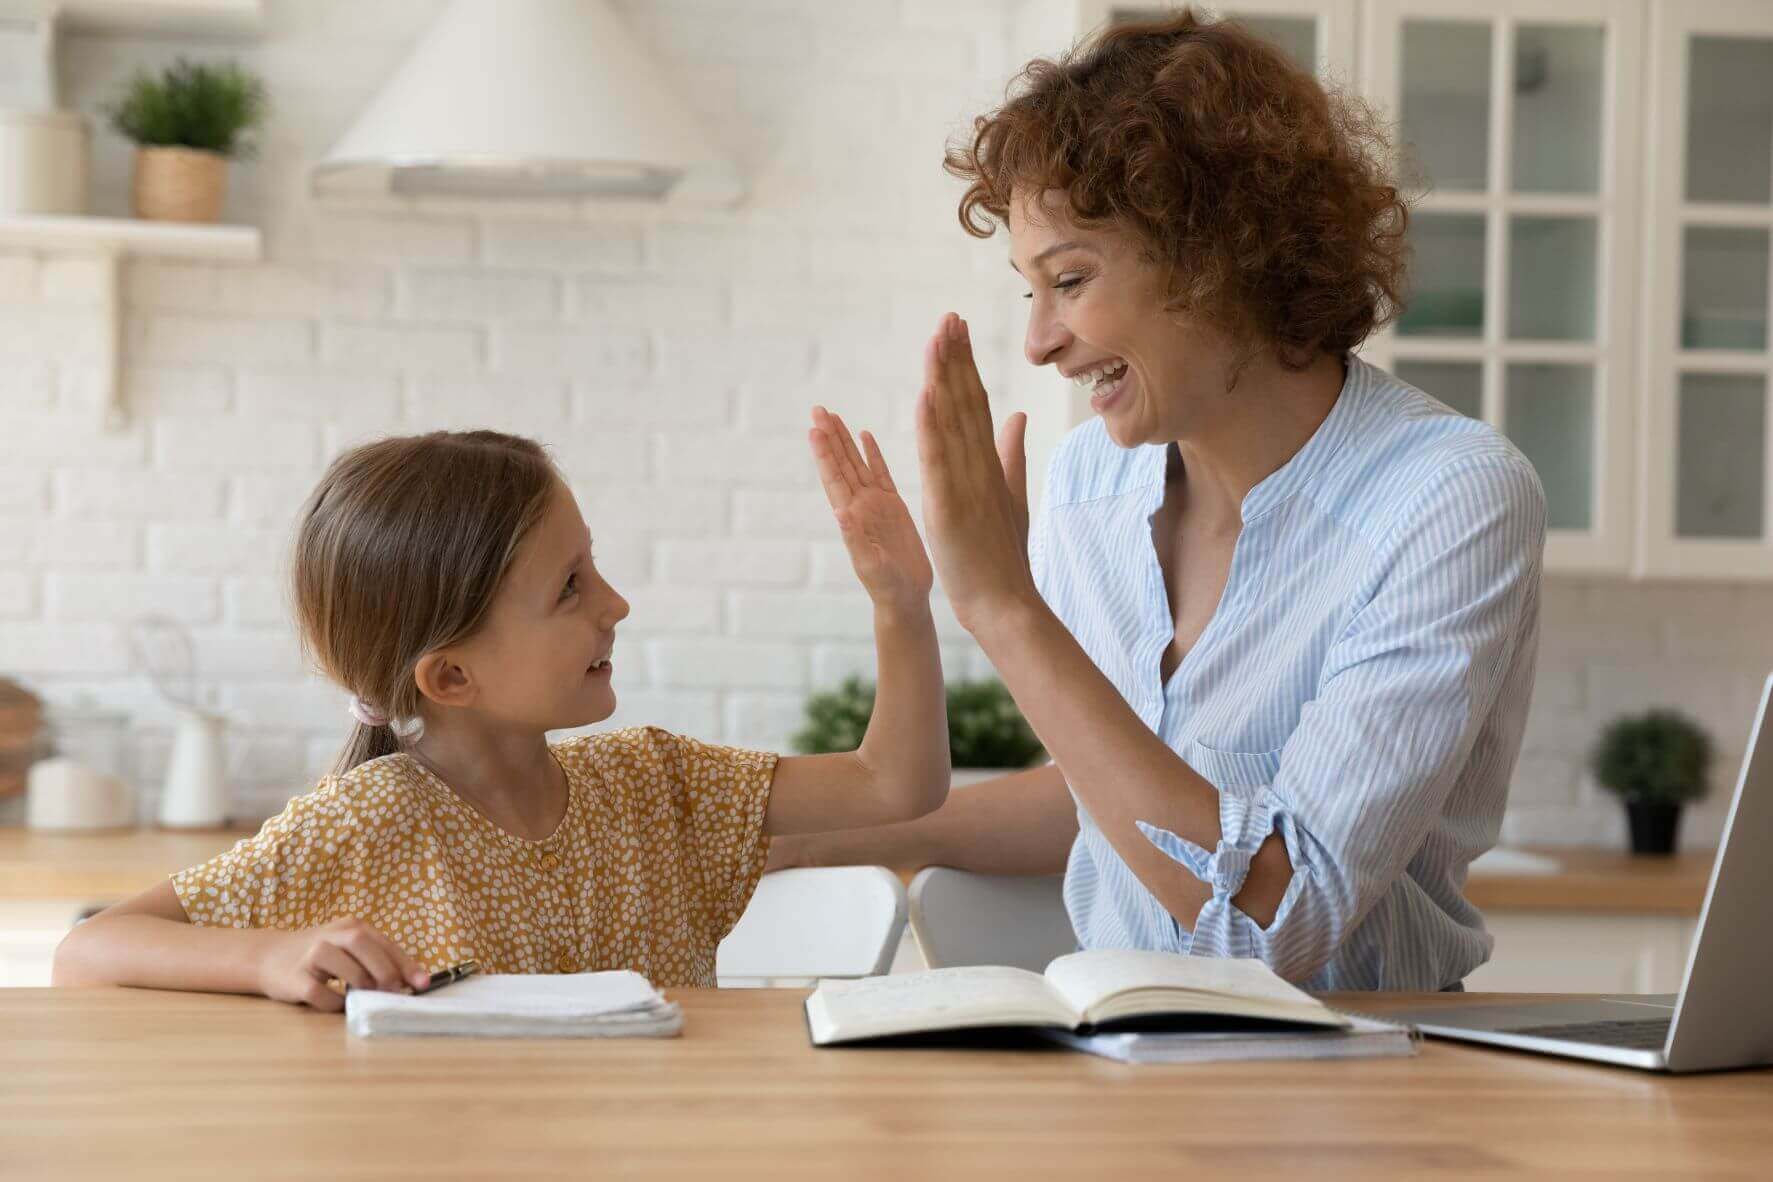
(195, 794)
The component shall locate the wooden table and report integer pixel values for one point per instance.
(124, 1083)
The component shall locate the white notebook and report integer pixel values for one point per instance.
(502, 1005)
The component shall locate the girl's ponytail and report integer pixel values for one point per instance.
(364, 744)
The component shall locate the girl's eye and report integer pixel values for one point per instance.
(572, 587)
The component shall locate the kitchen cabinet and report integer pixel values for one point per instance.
(1707, 504)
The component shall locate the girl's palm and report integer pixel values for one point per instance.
(882, 539)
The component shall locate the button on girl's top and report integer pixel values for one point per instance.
(1361, 688)
(655, 859)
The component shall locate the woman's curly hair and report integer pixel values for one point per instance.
(1268, 202)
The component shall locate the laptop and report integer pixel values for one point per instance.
(1723, 1015)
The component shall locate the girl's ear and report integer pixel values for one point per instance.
(444, 680)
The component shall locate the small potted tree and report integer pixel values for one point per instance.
(987, 735)
(187, 123)
(1654, 762)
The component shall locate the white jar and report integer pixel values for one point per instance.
(42, 162)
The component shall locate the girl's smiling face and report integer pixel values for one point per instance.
(542, 659)
(1097, 314)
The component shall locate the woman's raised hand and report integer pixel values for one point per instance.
(877, 529)
(975, 489)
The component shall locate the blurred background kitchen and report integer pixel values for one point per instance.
(1592, 275)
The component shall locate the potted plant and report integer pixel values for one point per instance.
(987, 735)
(1655, 763)
(187, 122)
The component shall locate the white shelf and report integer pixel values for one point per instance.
(180, 18)
(131, 236)
(111, 240)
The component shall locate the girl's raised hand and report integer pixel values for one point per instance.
(884, 547)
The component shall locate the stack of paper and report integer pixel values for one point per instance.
(570, 1005)
(1363, 1039)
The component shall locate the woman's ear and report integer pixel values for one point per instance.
(443, 679)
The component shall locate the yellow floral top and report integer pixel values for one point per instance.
(660, 849)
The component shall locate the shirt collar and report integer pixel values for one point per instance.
(1298, 472)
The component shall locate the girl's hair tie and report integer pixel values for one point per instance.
(366, 714)
(404, 728)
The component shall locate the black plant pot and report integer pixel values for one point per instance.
(1654, 826)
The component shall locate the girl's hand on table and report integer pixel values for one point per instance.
(877, 529)
(975, 491)
(295, 966)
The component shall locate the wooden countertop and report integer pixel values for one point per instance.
(148, 1085)
(103, 868)
(1601, 881)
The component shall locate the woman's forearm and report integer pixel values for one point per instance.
(1017, 824)
(156, 953)
(906, 746)
(1117, 766)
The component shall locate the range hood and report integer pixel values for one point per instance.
(529, 98)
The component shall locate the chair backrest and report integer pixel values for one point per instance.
(962, 918)
(822, 921)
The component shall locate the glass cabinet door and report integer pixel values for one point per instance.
(1707, 491)
(1318, 34)
(1516, 141)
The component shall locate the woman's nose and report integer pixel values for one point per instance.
(1046, 335)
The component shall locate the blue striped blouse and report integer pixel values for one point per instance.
(1362, 686)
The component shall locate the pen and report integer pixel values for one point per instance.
(440, 978)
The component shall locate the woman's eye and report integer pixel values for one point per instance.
(1062, 285)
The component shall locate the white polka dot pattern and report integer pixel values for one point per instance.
(660, 849)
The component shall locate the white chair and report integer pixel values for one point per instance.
(817, 921)
(961, 918)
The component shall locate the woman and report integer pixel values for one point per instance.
(1276, 622)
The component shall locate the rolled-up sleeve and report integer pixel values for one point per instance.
(1403, 695)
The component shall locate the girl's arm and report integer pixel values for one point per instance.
(148, 941)
(901, 769)
(1023, 823)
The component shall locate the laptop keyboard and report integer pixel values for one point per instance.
(1638, 1034)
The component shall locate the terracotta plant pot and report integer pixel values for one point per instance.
(179, 184)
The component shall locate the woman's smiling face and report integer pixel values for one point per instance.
(1097, 314)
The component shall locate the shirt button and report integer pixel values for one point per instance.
(550, 862)
(563, 965)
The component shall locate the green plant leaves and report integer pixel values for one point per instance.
(1657, 757)
(191, 105)
(985, 728)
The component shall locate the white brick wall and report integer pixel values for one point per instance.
(668, 359)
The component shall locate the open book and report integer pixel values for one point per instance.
(1083, 992)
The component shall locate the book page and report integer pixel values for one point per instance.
(1090, 981)
(940, 999)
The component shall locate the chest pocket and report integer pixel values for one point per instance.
(1233, 769)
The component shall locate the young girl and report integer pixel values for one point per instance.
(447, 582)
